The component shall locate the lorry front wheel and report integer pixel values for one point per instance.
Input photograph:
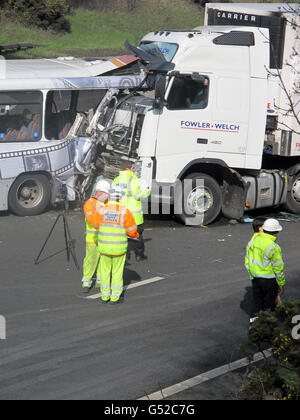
(201, 200)
(29, 195)
(293, 196)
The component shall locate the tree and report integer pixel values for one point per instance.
(45, 14)
(289, 82)
(292, 93)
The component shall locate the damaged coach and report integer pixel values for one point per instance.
(49, 111)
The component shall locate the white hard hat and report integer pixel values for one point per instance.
(272, 225)
(116, 193)
(103, 186)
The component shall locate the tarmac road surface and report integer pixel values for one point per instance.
(184, 312)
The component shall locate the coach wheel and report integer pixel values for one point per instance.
(29, 195)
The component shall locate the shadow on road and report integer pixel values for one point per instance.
(247, 302)
(130, 276)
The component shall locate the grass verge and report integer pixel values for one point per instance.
(96, 33)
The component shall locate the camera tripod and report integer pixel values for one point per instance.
(70, 243)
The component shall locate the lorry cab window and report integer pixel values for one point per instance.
(187, 93)
(20, 116)
(164, 50)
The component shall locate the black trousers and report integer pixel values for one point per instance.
(140, 245)
(265, 292)
(137, 246)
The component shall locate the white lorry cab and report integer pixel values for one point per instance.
(45, 105)
(222, 131)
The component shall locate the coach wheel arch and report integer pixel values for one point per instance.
(30, 194)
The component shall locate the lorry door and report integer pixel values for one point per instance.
(183, 131)
(230, 118)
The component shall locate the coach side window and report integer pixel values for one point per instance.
(20, 116)
(62, 106)
(188, 92)
(60, 115)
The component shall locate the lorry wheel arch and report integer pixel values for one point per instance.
(30, 194)
(214, 167)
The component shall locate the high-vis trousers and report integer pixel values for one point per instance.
(91, 265)
(111, 271)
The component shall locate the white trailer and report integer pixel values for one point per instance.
(220, 134)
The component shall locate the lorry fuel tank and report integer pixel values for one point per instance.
(267, 189)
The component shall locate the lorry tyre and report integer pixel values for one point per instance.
(29, 195)
(292, 203)
(201, 201)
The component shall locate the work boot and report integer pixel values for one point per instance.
(252, 322)
(104, 301)
(86, 290)
(115, 302)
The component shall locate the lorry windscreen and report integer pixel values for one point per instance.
(163, 50)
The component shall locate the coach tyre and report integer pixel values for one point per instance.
(200, 198)
(29, 195)
(293, 196)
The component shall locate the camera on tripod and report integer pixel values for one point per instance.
(69, 241)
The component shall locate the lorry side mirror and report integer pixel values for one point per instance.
(160, 90)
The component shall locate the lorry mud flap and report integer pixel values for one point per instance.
(234, 200)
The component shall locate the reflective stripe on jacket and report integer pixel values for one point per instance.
(247, 264)
(130, 184)
(264, 258)
(91, 207)
(116, 223)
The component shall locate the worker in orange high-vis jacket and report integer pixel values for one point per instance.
(92, 257)
(116, 224)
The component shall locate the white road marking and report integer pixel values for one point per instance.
(204, 377)
(131, 286)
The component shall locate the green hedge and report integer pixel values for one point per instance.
(278, 377)
(45, 14)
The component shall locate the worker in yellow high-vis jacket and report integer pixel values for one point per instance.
(92, 257)
(116, 224)
(265, 266)
(133, 192)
